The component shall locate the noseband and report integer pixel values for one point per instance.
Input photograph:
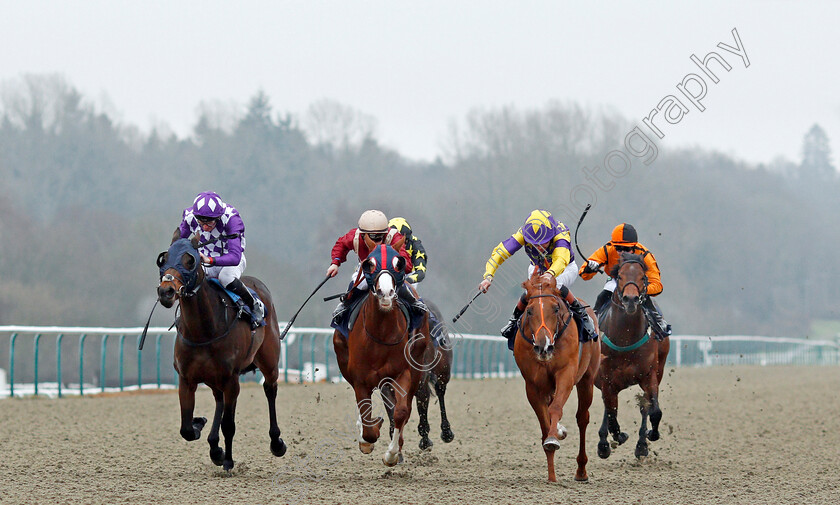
(642, 289)
(560, 328)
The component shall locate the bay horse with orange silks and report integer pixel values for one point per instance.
(382, 352)
(629, 356)
(552, 360)
(214, 346)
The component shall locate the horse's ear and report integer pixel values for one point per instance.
(188, 260)
(535, 274)
(161, 259)
(176, 235)
(399, 264)
(371, 245)
(194, 240)
(369, 265)
(399, 245)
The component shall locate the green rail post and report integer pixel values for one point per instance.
(122, 348)
(157, 357)
(82, 364)
(103, 351)
(491, 352)
(12, 365)
(466, 357)
(327, 358)
(37, 348)
(300, 361)
(507, 361)
(139, 365)
(312, 354)
(472, 359)
(58, 361)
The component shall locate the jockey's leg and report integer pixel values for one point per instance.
(509, 330)
(407, 295)
(660, 327)
(240, 289)
(602, 301)
(579, 312)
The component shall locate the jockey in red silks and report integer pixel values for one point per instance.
(373, 230)
(221, 228)
(548, 245)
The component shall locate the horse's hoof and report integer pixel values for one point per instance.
(278, 447)
(393, 460)
(582, 478)
(604, 450)
(426, 444)
(641, 450)
(217, 455)
(653, 435)
(561, 431)
(228, 465)
(551, 444)
(198, 423)
(621, 437)
(447, 436)
(366, 447)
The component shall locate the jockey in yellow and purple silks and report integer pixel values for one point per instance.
(547, 243)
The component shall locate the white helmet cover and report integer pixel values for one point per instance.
(373, 221)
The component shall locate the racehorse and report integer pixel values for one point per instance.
(380, 349)
(437, 370)
(629, 356)
(552, 360)
(213, 346)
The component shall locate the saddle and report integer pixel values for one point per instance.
(244, 312)
(414, 318)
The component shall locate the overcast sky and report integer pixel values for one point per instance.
(416, 66)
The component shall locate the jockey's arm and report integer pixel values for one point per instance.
(419, 260)
(233, 246)
(598, 256)
(503, 251)
(342, 247)
(653, 275)
(561, 256)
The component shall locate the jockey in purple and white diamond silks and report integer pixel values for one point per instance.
(224, 259)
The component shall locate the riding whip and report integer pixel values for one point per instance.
(583, 256)
(292, 320)
(454, 319)
(146, 328)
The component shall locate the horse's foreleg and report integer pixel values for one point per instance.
(423, 427)
(217, 455)
(610, 422)
(402, 410)
(231, 393)
(537, 402)
(387, 393)
(563, 388)
(368, 427)
(190, 426)
(445, 429)
(584, 393)
(649, 407)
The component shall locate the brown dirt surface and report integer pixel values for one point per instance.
(730, 435)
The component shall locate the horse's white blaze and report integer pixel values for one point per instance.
(392, 455)
(561, 431)
(385, 290)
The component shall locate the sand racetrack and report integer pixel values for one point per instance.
(730, 435)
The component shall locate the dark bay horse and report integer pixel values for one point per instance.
(437, 370)
(214, 347)
(629, 356)
(552, 360)
(379, 352)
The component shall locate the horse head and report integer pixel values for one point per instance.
(546, 316)
(180, 271)
(384, 272)
(631, 281)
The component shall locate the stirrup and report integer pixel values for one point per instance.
(509, 330)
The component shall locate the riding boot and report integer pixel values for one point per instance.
(509, 330)
(407, 296)
(602, 300)
(582, 317)
(344, 304)
(256, 307)
(661, 329)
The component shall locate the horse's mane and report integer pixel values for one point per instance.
(627, 257)
(538, 283)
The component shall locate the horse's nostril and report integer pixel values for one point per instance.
(549, 349)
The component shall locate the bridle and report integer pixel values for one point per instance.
(618, 294)
(369, 335)
(557, 331)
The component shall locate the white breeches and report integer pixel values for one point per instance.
(566, 278)
(226, 275)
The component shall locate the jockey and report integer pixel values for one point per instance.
(414, 248)
(224, 257)
(373, 226)
(547, 244)
(625, 239)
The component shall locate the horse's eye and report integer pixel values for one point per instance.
(556, 309)
(528, 312)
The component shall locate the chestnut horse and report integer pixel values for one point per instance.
(379, 352)
(213, 346)
(552, 360)
(629, 356)
(437, 370)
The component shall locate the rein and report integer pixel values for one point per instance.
(224, 335)
(559, 330)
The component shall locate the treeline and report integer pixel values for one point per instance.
(87, 203)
